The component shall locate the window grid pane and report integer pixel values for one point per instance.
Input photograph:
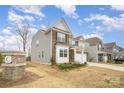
(61, 37)
(65, 53)
(61, 53)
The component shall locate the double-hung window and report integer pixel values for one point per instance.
(63, 53)
(61, 37)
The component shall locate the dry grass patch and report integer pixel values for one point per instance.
(52, 77)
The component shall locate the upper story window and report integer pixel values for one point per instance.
(61, 37)
(99, 47)
(76, 43)
(37, 43)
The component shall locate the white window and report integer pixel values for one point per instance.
(99, 47)
(76, 43)
(63, 53)
(61, 37)
(37, 43)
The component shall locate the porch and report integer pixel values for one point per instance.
(104, 56)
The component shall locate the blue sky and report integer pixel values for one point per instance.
(105, 22)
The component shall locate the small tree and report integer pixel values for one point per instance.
(1, 59)
(23, 31)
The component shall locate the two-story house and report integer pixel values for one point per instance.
(52, 43)
(113, 48)
(96, 50)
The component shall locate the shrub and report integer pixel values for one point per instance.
(66, 66)
(1, 59)
(109, 61)
(118, 62)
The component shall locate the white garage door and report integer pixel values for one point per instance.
(81, 58)
(78, 57)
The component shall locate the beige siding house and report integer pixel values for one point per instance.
(117, 51)
(53, 43)
(96, 50)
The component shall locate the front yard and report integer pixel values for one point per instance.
(45, 76)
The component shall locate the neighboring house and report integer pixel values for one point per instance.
(52, 44)
(120, 55)
(96, 50)
(116, 50)
(77, 50)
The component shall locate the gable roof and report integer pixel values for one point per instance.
(79, 37)
(113, 44)
(93, 40)
(62, 25)
(110, 45)
(120, 48)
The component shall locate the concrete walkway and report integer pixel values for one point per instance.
(117, 68)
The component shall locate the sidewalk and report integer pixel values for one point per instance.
(117, 68)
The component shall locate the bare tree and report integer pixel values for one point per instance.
(23, 31)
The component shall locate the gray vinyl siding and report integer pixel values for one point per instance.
(44, 47)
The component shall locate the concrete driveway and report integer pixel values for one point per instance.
(117, 68)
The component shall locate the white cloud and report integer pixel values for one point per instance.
(118, 7)
(43, 27)
(107, 21)
(98, 28)
(1, 38)
(92, 35)
(29, 18)
(7, 31)
(122, 15)
(33, 31)
(80, 22)
(1, 44)
(16, 18)
(9, 42)
(69, 10)
(31, 9)
(12, 16)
